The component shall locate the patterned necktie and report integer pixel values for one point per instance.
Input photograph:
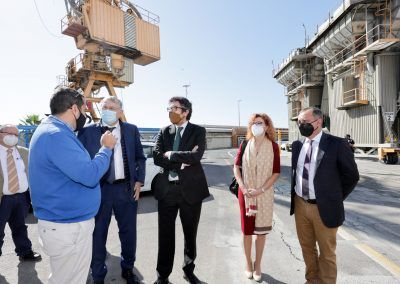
(175, 147)
(306, 171)
(13, 184)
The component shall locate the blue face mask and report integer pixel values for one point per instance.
(109, 117)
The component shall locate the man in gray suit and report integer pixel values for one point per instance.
(13, 186)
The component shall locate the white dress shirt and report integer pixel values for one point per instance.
(19, 164)
(300, 166)
(118, 158)
(170, 178)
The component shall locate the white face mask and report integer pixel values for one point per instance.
(257, 130)
(109, 117)
(10, 140)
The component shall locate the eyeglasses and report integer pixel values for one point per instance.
(257, 123)
(301, 122)
(174, 108)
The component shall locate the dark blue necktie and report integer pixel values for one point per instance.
(175, 147)
(306, 171)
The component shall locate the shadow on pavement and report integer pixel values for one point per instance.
(114, 271)
(3, 280)
(270, 280)
(27, 273)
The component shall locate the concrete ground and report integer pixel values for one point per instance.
(368, 243)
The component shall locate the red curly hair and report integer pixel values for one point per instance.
(270, 133)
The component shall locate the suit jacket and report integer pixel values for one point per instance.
(90, 138)
(24, 155)
(336, 175)
(192, 178)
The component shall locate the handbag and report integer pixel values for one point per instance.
(234, 186)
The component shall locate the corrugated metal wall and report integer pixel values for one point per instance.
(360, 122)
(388, 74)
(107, 23)
(325, 98)
(147, 42)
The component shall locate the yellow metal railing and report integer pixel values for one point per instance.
(352, 95)
(377, 33)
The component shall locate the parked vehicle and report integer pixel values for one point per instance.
(151, 169)
(285, 145)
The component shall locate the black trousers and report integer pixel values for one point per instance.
(189, 214)
(13, 209)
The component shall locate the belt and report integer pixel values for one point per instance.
(118, 181)
(311, 201)
(174, 182)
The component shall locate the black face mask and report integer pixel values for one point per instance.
(306, 129)
(80, 121)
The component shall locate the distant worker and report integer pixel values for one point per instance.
(65, 187)
(120, 187)
(180, 187)
(257, 167)
(13, 192)
(324, 173)
(350, 141)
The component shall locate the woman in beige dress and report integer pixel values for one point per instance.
(256, 173)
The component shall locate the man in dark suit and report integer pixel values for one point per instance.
(120, 187)
(13, 192)
(180, 186)
(324, 173)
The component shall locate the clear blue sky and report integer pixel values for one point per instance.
(223, 49)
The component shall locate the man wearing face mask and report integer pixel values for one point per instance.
(181, 186)
(65, 188)
(13, 189)
(324, 173)
(120, 188)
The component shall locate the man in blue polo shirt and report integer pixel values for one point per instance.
(64, 184)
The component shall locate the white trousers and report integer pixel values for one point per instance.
(69, 246)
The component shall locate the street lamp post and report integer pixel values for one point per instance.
(305, 35)
(238, 104)
(186, 86)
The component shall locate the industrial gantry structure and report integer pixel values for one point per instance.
(113, 36)
(351, 70)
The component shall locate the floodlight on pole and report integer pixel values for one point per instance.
(238, 105)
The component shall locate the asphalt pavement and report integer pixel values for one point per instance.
(368, 243)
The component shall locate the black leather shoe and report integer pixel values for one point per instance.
(30, 256)
(98, 282)
(129, 276)
(162, 281)
(191, 278)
